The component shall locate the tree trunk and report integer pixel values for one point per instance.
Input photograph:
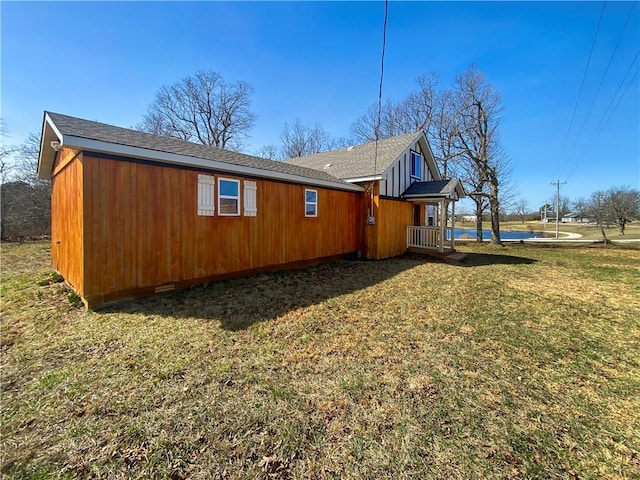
(494, 207)
(479, 221)
(622, 224)
(604, 235)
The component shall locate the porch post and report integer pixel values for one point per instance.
(443, 223)
(453, 225)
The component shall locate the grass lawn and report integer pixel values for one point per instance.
(522, 363)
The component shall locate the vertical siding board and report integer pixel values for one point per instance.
(105, 183)
(111, 205)
(168, 202)
(132, 224)
(141, 230)
(96, 243)
(121, 203)
(156, 241)
(175, 192)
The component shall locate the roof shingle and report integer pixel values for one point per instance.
(77, 127)
(358, 161)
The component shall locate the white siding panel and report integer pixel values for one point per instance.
(250, 202)
(206, 206)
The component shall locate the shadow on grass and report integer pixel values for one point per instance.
(238, 304)
(484, 259)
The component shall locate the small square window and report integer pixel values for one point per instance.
(416, 164)
(228, 197)
(310, 203)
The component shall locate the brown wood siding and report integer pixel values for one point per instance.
(143, 228)
(387, 236)
(392, 221)
(67, 217)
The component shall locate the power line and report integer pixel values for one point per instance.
(584, 76)
(603, 76)
(607, 113)
(378, 121)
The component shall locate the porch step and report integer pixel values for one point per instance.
(455, 257)
(450, 256)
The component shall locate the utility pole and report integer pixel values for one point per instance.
(557, 184)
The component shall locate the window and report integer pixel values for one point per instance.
(432, 215)
(228, 196)
(310, 203)
(416, 164)
(250, 205)
(205, 196)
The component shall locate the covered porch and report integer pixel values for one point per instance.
(428, 233)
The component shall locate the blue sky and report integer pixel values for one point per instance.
(320, 62)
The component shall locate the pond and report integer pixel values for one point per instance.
(486, 234)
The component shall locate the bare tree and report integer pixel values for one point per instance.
(598, 209)
(27, 154)
(428, 109)
(561, 205)
(391, 123)
(270, 152)
(202, 108)
(299, 140)
(521, 209)
(26, 199)
(443, 132)
(623, 205)
(478, 107)
(6, 153)
(412, 113)
(581, 208)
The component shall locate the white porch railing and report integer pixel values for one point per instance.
(423, 237)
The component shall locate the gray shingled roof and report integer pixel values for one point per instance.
(358, 161)
(434, 188)
(77, 127)
(426, 188)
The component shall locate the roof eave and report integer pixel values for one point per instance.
(448, 196)
(433, 167)
(456, 185)
(370, 178)
(99, 146)
(47, 152)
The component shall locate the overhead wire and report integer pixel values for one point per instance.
(584, 76)
(593, 101)
(606, 116)
(378, 120)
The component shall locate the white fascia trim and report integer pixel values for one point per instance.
(173, 158)
(54, 128)
(47, 155)
(363, 179)
(429, 195)
(431, 160)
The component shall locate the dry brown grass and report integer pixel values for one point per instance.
(521, 364)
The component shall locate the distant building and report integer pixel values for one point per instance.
(574, 218)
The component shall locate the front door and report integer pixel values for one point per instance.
(416, 216)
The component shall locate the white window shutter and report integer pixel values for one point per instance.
(250, 202)
(206, 206)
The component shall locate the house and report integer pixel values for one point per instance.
(406, 200)
(574, 218)
(468, 217)
(135, 214)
